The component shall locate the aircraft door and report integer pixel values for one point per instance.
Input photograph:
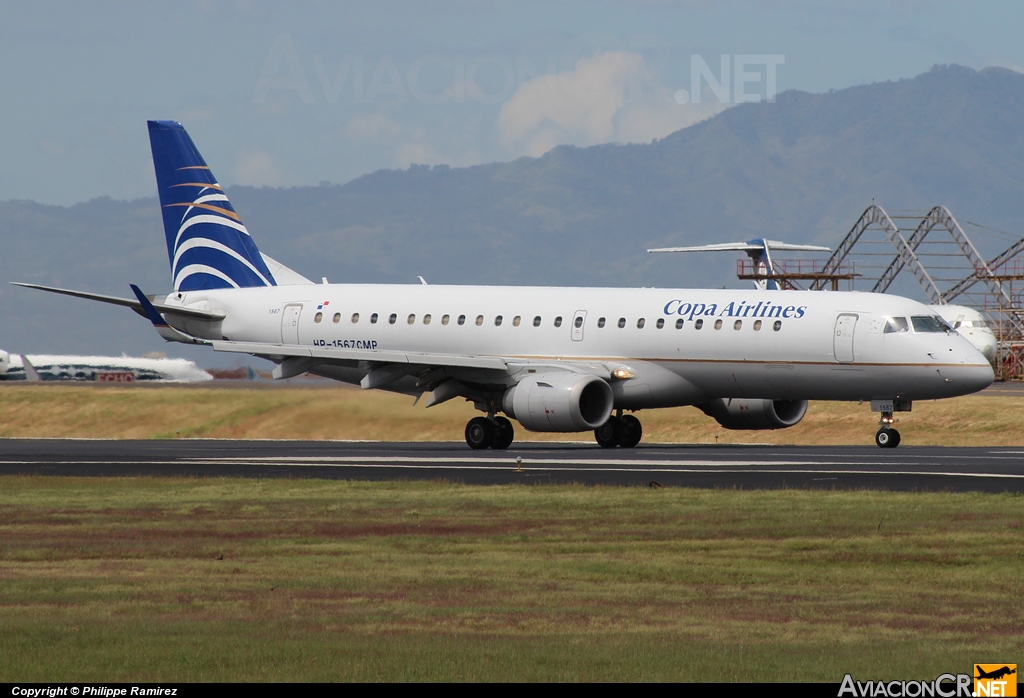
(578, 321)
(290, 324)
(842, 341)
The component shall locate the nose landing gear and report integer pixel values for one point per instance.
(886, 436)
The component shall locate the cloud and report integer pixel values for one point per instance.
(610, 97)
(257, 169)
(363, 126)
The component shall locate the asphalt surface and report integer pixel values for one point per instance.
(909, 468)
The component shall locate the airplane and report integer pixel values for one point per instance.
(995, 673)
(101, 369)
(554, 359)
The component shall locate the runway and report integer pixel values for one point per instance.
(912, 468)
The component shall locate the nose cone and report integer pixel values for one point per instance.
(972, 374)
(974, 377)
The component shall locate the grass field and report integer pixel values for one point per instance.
(195, 580)
(334, 412)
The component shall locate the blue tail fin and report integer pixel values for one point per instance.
(206, 242)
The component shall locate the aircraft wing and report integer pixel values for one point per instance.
(132, 303)
(431, 369)
(330, 354)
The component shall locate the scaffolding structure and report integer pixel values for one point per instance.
(788, 273)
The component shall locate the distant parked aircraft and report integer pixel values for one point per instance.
(102, 369)
(971, 324)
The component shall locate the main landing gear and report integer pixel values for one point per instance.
(619, 430)
(489, 432)
(886, 436)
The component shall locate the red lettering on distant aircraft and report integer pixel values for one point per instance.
(115, 377)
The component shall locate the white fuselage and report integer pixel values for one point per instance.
(827, 345)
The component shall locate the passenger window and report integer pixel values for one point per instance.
(622, 322)
(679, 324)
(373, 319)
(426, 319)
(462, 320)
(515, 321)
(497, 321)
(444, 319)
(392, 318)
(661, 322)
(412, 319)
(757, 325)
(640, 323)
(698, 324)
(718, 324)
(558, 321)
(318, 317)
(355, 317)
(578, 322)
(737, 325)
(895, 325)
(479, 320)
(600, 322)
(536, 321)
(337, 318)
(777, 326)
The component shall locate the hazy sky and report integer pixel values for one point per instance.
(299, 93)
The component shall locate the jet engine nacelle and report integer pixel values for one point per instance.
(739, 413)
(5, 362)
(559, 402)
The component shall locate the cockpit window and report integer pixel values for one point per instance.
(930, 323)
(896, 324)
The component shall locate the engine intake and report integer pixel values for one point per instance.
(559, 402)
(741, 413)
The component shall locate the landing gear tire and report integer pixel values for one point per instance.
(887, 438)
(480, 433)
(631, 432)
(503, 434)
(607, 435)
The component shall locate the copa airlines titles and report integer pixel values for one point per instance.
(765, 309)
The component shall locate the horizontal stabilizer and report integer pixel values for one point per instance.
(746, 247)
(132, 303)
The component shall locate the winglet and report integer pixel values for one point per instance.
(161, 325)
